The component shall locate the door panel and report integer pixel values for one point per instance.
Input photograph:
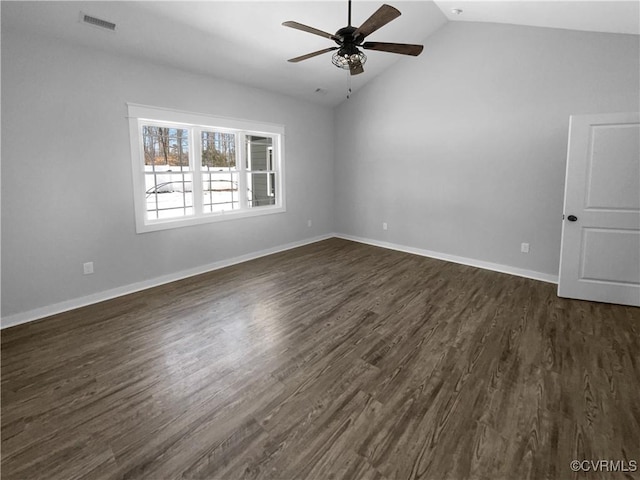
(611, 255)
(600, 252)
(613, 182)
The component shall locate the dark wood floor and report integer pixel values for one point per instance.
(334, 360)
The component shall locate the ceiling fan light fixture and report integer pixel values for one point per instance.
(346, 60)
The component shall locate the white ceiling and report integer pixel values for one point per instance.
(612, 16)
(245, 42)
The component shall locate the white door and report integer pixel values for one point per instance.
(600, 252)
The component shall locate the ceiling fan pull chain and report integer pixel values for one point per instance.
(348, 85)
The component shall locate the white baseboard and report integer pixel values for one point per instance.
(496, 267)
(72, 304)
(38, 313)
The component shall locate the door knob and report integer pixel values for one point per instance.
(572, 218)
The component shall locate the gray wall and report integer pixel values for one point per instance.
(463, 149)
(66, 172)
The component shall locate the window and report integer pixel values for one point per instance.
(191, 168)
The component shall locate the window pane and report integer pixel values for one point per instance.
(169, 194)
(164, 146)
(220, 191)
(218, 150)
(261, 189)
(259, 153)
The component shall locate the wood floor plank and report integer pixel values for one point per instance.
(333, 360)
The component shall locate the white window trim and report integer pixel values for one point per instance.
(139, 114)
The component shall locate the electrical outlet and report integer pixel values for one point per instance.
(309, 223)
(384, 225)
(524, 247)
(88, 268)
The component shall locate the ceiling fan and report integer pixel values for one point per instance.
(349, 38)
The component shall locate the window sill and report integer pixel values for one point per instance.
(156, 225)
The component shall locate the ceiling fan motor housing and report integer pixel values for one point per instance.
(345, 36)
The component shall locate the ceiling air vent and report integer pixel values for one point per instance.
(97, 22)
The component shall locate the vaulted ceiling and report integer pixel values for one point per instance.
(245, 42)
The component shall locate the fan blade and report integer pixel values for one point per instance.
(306, 28)
(379, 19)
(355, 68)
(310, 55)
(402, 48)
